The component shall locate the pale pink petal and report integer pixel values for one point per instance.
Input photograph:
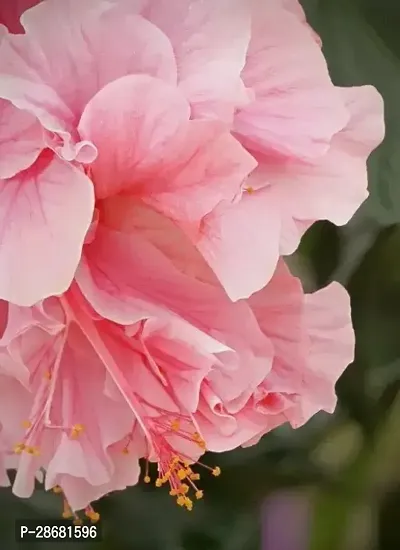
(294, 7)
(45, 213)
(208, 170)
(296, 110)
(210, 40)
(126, 278)
(77, 459)
(21, 140)
(241, 242)
(334, 186)
(142, 114)
(278, 308)
(79, 399)
(15, 403)
(291, 5)
(183, 168)
(327, 316)
(180, 364)
(4, 479)
(70, 36)
(80, 493)
(128, 215)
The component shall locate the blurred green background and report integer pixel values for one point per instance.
(334, 484)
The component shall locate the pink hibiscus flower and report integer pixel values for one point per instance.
(149, 185)
(182, 109)
(89, 397)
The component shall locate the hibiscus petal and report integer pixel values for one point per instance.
(45, 213)
(182, 167)
(296, 110)
(126, 279)
(207, 167)
(142, 114)
(241, 242)
(182, 366)
(334, 186)
(210, 40)
(61, 62)
(21, 140)
(331, 336)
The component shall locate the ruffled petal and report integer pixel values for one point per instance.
(335, 185)
(45, 213)
(21, 140)
(210, 41)
(241, 242)
(60, 63)
(296, 110)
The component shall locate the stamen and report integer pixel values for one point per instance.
(175, 425)
(67, 512)
(147, 478)
(19, 448)
(76, 431)
(91, 514)
(176, 468)
(34, 451)
(249, 189)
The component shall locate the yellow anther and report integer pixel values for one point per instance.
(188, 504)
(194, 477)
(175, 425)
(216, 471)
(125, 451)
(77, 521)
(77, 429)
(67, 512)
(19, 448)
(159, 482)
(182, 474)
(175, 460)
(181, 500)
(147, 479)
(184, 488)
(199, 440)
(249, 189)
(47, 375)
(199, 495)
(93, 516)
(26, 424)
(57, 490)
(34, 451)
(173, 493)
